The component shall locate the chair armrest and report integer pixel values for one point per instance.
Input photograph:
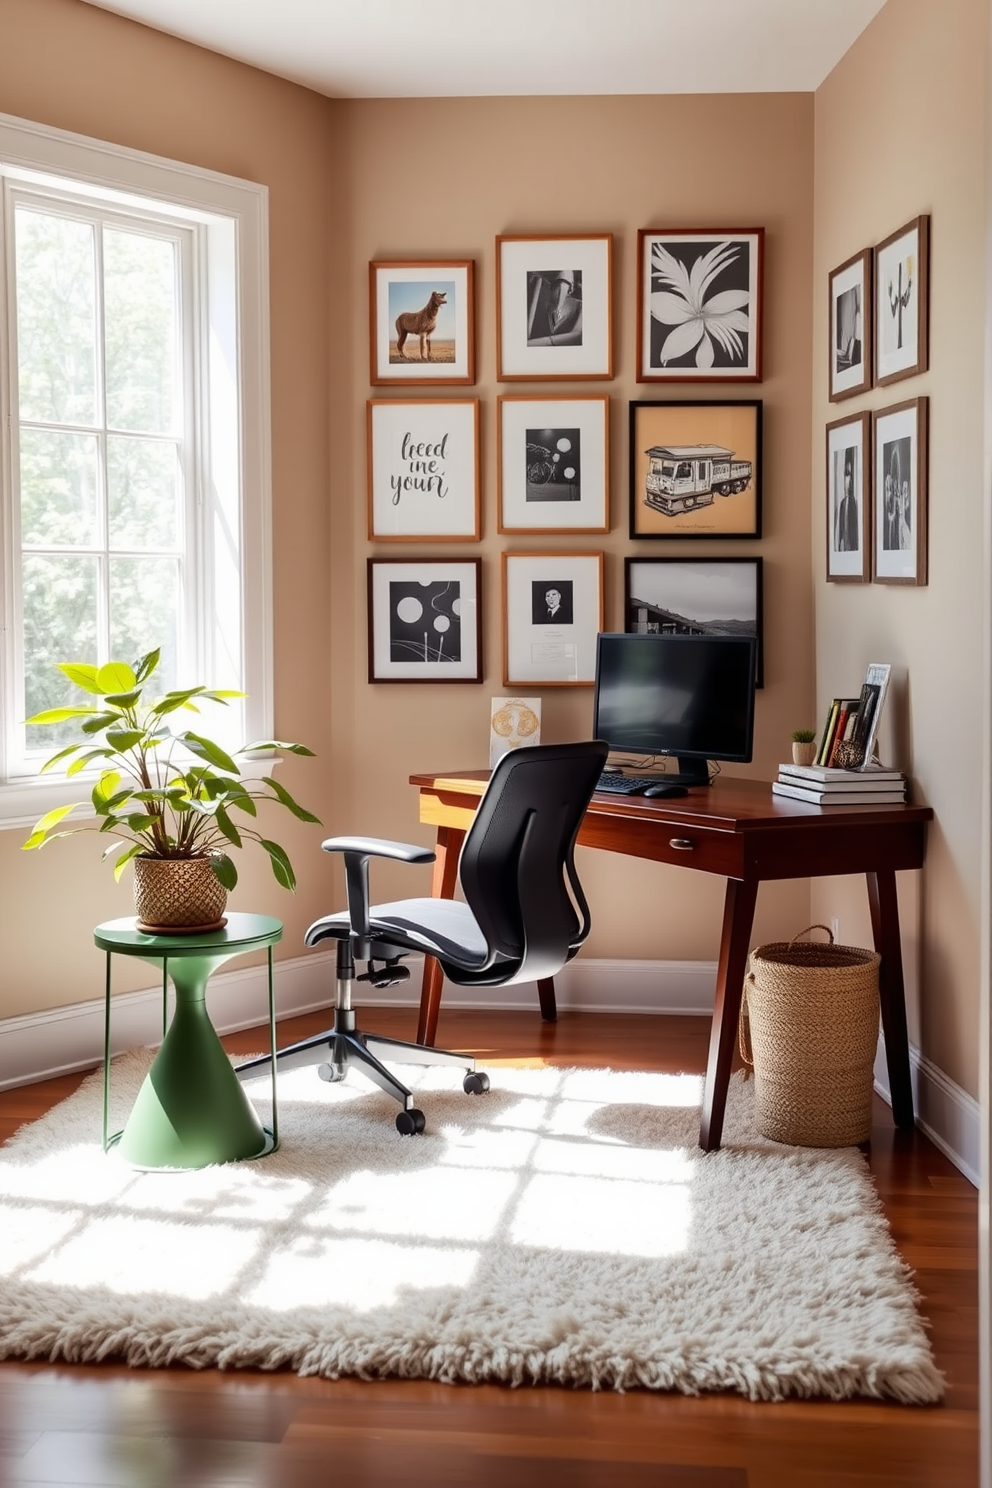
(380, 847)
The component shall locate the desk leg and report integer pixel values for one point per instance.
(892, 993)
(449, 846)
(738, 916)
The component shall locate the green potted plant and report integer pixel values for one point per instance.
(175, 803)
(803, 746)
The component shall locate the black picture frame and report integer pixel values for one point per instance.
(424, 619)
(696, 596)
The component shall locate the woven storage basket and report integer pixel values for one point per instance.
(812, 1014)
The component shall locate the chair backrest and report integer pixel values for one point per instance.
(517, 866)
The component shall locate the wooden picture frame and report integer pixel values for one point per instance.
(699, 304)
(422, 469)
(552, 614)
(695, 469)
(424, 620)
(902, 303)
(554, 324)
(553, 463)
(422, 322)
(851, 323)
(899, 492)
(696, 596)
(848, 499)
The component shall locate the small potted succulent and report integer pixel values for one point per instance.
(175, 803)
(803, 746)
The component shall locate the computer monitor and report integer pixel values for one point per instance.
(691, 696)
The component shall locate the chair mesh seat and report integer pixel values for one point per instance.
(446, 928)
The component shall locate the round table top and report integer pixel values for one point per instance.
(243, 932)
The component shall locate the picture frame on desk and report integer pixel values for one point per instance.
(695, 596)
(424, 620)
(851, 325)
(848, 499)
(695, 469)
(422, 322)
(699, 304)
(552, 614)
(554, 323)
(552, 463)
(899, 492)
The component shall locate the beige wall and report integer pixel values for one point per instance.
(900, 130)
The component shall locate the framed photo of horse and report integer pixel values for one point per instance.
(554, 324)
(422, 322)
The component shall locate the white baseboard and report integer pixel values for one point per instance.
(951, 1118)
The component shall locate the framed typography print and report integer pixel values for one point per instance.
(695, 596)
(552, 457)
(553, 307)
(424, 620)
(423, 469)
(851, 327)
(695, 469)
(848, 503)
(422, 322)
(899, 493)
(699, 305)
(552, 614)
(902, 302)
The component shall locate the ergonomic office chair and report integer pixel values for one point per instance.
(523, 917)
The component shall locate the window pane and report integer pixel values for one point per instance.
(144, 613)
(58, 489)
(59, 607)
(56, 318)
(141, 320)
(143, 492)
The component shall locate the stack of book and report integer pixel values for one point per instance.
(823, 786)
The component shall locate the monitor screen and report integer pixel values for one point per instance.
(691, 696)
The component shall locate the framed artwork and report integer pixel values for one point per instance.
(552, 463)
(899, 491)
(851, 327)
(423, 469)
(424, 620)
(552, 614)
(699, 305)
(422, 322)
(695, 469)
(695, 596)
(554, 323)
(902, 302)
(848, 500)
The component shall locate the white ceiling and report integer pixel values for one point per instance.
(464, 48)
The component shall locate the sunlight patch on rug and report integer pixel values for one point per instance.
(564, 1228)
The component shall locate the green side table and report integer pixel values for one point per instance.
(191, 1110)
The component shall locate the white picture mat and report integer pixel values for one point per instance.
(850, 436)
(592, 256)
(552, 653)
(430, 275)
(424, 469)
(747, 369)
(590, 417)
(888, 356)
(850, 278)
(896, 563)
(383, 667)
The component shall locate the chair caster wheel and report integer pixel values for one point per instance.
(410, 1123)
(330, 1073)
(476, 1082)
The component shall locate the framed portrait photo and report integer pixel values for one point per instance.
(552, 461)
(902, 302)
(848, 500)
(851, 327)
(423, 469)
(552, 614)
(552, 322)
(699, 305)
(422, 322)
(424, 620)
(899, 493)
(695, 469)
(695, 596)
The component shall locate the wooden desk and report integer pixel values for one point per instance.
(738, 830)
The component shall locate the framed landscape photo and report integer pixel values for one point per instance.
(850, 327)
(848, 500)
(423, 469)
(422, 322)
(902, 302)
(699, 305)
(552, 614)
(899, 492)
(695, 469)
(554, 323)
(552, 462)
(695, 596)
(424, 620)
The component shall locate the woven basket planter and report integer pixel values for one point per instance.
(812, 1014)
(176, 894)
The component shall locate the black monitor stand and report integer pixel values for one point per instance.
(692, 771)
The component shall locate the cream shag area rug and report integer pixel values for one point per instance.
(565, 1228)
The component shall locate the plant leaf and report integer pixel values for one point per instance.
(45, 823)
(124, 699)
(84, 759)
(227, 827)
(125, 858)
(146, 664)
(105, 788)
(82, 674)
(124, 739)
(208, 750)
(282, 868)
(99, 721)
(59, 715)
(116, 676)
(224, 870)
(287, 800)
(62, 754)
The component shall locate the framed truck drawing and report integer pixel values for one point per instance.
(695, 469)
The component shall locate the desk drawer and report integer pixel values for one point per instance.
(687, 845)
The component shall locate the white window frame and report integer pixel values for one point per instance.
(231, 217)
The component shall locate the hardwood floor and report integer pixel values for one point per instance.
(112, 1427)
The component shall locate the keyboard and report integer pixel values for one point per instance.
(628, 785)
